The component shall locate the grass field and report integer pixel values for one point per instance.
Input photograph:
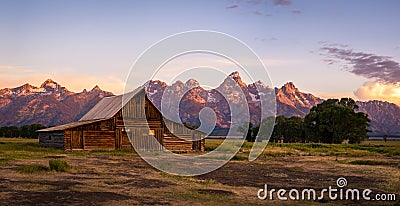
(28, 175)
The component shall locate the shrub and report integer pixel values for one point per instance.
(34, 168)
(59, 165)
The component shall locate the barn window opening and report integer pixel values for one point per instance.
(50, 137)
(152, 132)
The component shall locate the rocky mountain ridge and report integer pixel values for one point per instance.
(49, 104)
(290, 101)
(53, 104)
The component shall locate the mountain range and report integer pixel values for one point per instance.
(53, 104)
(49, 104)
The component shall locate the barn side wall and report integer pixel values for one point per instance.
(95, 136)
(52, 139)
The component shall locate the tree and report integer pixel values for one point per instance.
(385, 137)
(26, 131)
(288, 129)
(335, 120)
(267, 125)
(33, 128)
(279, 129)
(247, 133)
(12, 131)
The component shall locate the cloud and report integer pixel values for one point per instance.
(380, 91)
(232, 7)
(368, 65)
(257, 12)
(265, 39)
(254, 2)
(11, 69)
(261, 7)
(297, 12)
(282, 2)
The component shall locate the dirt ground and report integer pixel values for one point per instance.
(127, 180)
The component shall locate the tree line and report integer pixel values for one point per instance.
(332, 121)
(26, 131)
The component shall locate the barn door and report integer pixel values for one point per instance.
(77, 140)
(159, 135)
(118, 138)
(196, 141)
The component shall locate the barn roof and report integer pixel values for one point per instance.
(109, 106)
(69, 125)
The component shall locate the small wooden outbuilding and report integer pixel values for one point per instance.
(105, 127)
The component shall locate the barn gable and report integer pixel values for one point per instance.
(108, 107)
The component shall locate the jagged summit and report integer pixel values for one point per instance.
(49, 83)
(191, 83)
(26, 86)
(290, 87)
(228, 81)
(236, 76)
(96, 88)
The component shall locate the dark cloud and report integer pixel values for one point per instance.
(255, 2)
(283, 2)
(260, 7)
(232, 7)
(371, 66)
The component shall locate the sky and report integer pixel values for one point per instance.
(341, 48)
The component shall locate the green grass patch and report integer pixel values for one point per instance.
(277, 154)
(212, 144)
(20, 149)
(368, 162)
(368, 148)
(54, 165)
(239, 157)
(34, 168)
(388, 149)
(59, 165)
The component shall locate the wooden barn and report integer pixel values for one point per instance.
(103, 128)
